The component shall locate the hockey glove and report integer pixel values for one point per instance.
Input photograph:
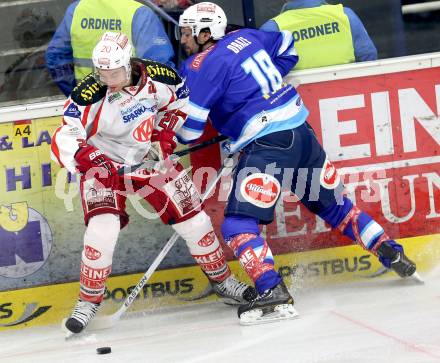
(93, 163)
(163, 144)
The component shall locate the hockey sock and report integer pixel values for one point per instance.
(96, 263)
(252, 251)
(204, 246)
(355, 224)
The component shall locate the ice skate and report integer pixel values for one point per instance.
(234, 292)
(82, 314)
(273, 305)
(400, 263)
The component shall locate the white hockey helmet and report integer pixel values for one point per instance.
(204, 15)
(113, 51)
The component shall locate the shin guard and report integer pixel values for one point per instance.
(204, 246)
(356, 225)
(243, 236)
(96, 263)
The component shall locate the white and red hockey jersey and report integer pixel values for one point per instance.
(120, 124)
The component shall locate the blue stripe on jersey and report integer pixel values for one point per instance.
(191, 124)
(287, 42)
(278, 124)
(187, 135)
(197, 112)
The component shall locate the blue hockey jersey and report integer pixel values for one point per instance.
(238, 83)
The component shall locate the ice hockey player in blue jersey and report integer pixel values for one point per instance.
(237, 80)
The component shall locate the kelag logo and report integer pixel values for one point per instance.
(31, 311)
(25, 240)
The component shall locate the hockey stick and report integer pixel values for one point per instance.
(150, 164)
(157, 9)
(384, 270)
(109, 321)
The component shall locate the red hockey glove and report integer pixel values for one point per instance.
(163, 144)
(90, 158)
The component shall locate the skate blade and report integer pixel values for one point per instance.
(209, 291)
(68, 333)
(416, 278)
(256, 316)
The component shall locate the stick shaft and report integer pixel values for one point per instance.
(110, 320)
(202, 145)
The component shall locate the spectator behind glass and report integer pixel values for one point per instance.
(173, 4)
(68, 55)
(324, 34)
(28, 77)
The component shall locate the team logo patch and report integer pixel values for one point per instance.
(96, 198)
(260, 189)
(72, 111)
(114, 96)
(182, 92)
(207, 240)
(206, 8)
(143, 132)
(183, 194)
(91, 253)
(329, 178)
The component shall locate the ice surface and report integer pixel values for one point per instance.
(377, 320)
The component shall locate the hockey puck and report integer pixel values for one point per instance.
(104, 350)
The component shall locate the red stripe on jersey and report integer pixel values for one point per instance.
(86, 115)
(95, 122)
(66, 103)
(54, 147)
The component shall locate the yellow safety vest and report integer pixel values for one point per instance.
(322, 35)
(91, 19)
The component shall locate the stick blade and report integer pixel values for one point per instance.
(103, 322)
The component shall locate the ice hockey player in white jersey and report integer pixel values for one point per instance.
(236, 80)
(125, 112)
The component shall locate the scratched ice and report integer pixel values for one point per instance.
(385, 320)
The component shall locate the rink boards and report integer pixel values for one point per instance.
(50, 304)
(379, 123)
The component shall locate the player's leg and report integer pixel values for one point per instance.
(324, 196)
(256, 189)
(183, 210)
(104, 214)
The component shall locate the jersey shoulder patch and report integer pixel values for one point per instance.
(88, 91)
(161, 72)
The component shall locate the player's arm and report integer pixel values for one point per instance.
(203, 93)
(172, 96)
(78, 116)
(281, 48)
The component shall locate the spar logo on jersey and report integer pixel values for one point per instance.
(207, 240)
(143, 132)
(260, 189)
(329, 177)
(132, 113)
(25, 238)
